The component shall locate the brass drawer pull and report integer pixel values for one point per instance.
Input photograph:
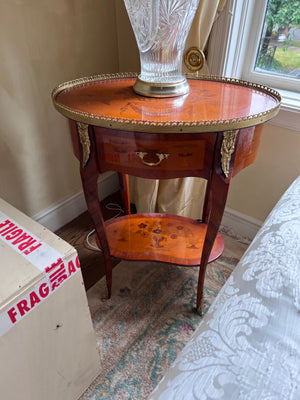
(160, 157)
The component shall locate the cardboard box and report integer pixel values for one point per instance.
(47, 341)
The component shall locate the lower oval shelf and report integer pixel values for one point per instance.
(160, 237)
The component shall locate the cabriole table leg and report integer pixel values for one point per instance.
(89, 176)
(217, 196)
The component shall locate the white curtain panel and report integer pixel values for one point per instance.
(182, 196)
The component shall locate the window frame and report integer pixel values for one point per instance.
(232, 52)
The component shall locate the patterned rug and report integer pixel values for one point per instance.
(148, 320)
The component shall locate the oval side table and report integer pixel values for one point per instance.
(212, 132)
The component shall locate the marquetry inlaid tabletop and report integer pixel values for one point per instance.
(212, 104)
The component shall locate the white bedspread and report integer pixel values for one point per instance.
(248, 345)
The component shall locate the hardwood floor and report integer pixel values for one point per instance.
(75, 233)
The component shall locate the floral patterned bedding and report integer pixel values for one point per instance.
(248, 345)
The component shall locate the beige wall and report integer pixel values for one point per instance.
(43, 43)
(256, 189)
(129, 60)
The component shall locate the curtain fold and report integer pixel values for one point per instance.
(182, 196)
(206, 14)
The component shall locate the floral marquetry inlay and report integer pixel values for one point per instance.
(164, 237)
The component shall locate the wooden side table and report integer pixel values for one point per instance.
(213, 132)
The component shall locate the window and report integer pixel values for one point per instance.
(238, 37)
(278, 50)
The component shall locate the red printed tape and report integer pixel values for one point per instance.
(56, 270)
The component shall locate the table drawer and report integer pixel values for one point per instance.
(144, 154)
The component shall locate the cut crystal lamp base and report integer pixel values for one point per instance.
(153, 89)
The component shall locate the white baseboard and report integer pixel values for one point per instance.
(62, 212)
(240, 225)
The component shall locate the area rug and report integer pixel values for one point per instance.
(149, 318)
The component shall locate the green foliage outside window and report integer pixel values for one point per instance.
(281, 17)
